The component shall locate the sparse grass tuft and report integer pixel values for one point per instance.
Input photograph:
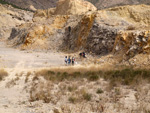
(72, 88)
(99, 91)
(3, 74)
(27, 77)
(12, 82)
(51, 72)
(72, 99)
(117, 91)
(87, 96)
(94, 77)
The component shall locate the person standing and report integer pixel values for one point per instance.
(73, 60)
(66, 59)
(69, 60)
(83, 54)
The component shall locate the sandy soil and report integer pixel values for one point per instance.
(15, 99)
(12, 58)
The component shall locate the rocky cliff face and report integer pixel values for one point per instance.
(123, 30)
(98, 31)
(10, 18)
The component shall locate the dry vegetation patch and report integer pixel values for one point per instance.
(124, 76)
(114, 88)
(3, 74)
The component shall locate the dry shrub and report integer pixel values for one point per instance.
(72, 88)
(99, 91)
(41, 95)
(3, 74)
(82, 95)
(127, 76)
(97, 108)
(72, 99)
(27, 77)
(12, 82)
(93, 77)
(87, 96)
(40, 92)
(120, 76)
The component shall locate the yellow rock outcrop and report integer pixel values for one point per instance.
(69, 7)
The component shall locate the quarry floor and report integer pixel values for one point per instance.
(15, 61)
(14, 58)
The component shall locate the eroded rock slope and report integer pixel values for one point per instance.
(123, 30)
(10, 18)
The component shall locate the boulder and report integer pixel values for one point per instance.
(71, 7)
(32, 8)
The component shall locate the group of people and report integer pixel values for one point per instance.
(69, 60)
(82, 55)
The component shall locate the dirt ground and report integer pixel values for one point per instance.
(16, 61)
(13, 58)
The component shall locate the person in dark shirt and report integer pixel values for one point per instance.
(83, 54)
(69, 60)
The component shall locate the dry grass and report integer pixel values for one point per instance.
(79, 69)
(89, 86)
(72, 99)
(120, 76)
(12, 82)
(41, 92)
(3, 74)
(87, 96)
(72, 88)
(27, 77)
